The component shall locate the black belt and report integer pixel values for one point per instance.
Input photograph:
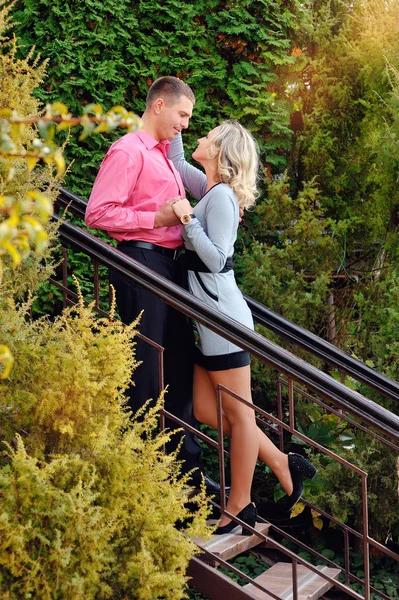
(169, 252)
(192, 262)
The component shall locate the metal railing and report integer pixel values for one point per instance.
(297, 377)
(287, 330)
(322, 349)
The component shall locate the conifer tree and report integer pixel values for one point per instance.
(90, 506)
(349, 145)
(111, 51)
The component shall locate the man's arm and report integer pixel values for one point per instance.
(107, 208)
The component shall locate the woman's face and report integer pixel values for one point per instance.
(201, 153)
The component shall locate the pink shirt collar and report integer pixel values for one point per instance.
(149, 142)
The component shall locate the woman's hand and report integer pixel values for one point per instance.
(181, 206)
(165, 216)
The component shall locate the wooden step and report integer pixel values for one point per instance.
(231, 544)
(278, 580)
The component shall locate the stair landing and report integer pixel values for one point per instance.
(231, 544)
(278, 580)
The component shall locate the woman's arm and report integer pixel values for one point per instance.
(216, 244)
(193, 179)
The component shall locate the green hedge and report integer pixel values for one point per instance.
(110, 52)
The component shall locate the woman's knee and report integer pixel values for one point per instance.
(198, 413)
(244, 418)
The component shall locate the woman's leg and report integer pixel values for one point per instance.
(204, 400)
(244, 444)
(205, 412)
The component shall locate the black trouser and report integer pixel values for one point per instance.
(170, 329)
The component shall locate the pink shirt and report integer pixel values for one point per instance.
(134, 180)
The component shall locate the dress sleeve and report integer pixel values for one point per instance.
(193, 179)
(216, 244)
(107, 208)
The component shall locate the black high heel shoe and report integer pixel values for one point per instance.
(248, 514)
(300, 469)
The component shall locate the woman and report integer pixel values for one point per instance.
(229, 157)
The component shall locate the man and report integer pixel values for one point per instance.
(132, 199)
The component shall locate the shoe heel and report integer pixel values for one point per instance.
(302, 465)
(308, 470)
(246, 532)
(248, 514)
(300, 469)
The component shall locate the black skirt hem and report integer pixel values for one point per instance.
(222, 362)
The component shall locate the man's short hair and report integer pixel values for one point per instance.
(169, 89)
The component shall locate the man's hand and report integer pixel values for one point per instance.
(165, 216)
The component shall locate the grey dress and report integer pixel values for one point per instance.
(212, 235)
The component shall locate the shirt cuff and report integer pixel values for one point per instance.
(146, 220)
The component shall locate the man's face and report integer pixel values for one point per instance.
(174, 118)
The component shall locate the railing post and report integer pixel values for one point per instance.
(347, 558)
(366, 546)
(295, 579)
(65, 277)
(331, 328)
(162, 423)
(280, 414)
(96, 283)
(291, 404)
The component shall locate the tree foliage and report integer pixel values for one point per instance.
(347, 140)
(90, 504)
(293, 257)
(349, 94)
(110, 52)
(21, 193)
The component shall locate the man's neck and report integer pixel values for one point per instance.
(150, 127)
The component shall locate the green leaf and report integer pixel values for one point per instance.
(46, 130)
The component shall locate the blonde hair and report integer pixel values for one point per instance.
(238, 160)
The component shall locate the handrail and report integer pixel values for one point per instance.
(288, 330)
(323, 349)
(294, 367)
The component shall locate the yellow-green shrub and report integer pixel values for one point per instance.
(89, 502)
(68, 379)
(19, 78)
(102, 528)
(90, 506)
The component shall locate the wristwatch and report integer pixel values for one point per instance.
(185, 219)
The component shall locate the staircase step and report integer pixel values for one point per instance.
(278, 580)
(231, 544)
